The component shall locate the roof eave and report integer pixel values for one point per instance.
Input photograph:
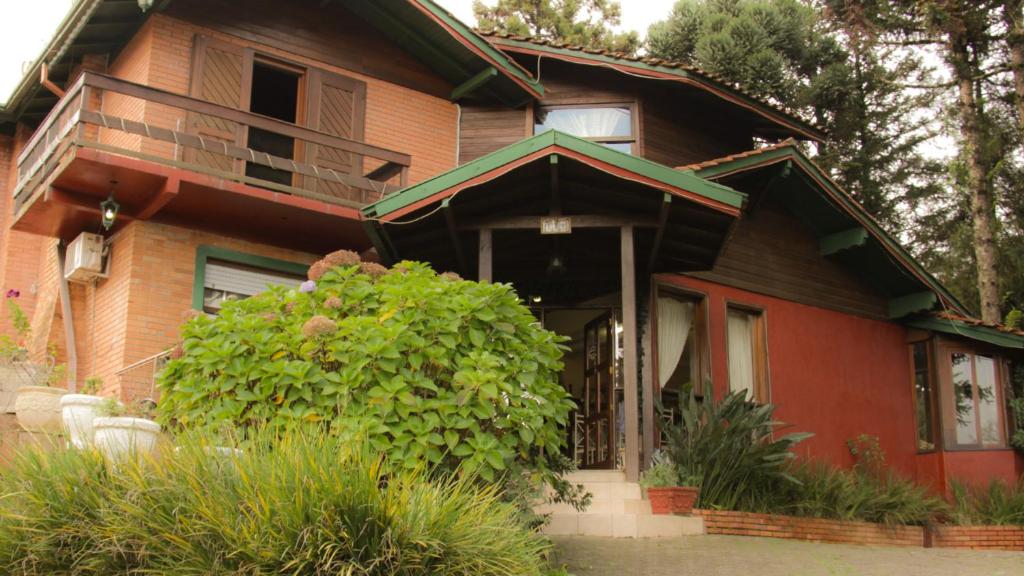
(849, 205)
(792, 123)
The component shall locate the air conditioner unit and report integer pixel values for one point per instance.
(86, 258)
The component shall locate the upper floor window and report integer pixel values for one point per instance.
(610, 125)
(974, 409)
(748, 353)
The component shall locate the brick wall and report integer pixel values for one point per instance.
(397, 118)
(811, 529)
(979, 537)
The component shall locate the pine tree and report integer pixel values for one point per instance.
(584, 23)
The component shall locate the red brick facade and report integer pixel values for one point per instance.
(811, 529)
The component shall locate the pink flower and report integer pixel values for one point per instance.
(12, 293)
(318, 326)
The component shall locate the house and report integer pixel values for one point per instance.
(666, 221)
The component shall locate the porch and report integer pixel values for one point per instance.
(579, 230)
(181, 159)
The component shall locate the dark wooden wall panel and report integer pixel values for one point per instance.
(773, 253)
(486, 128)
(678, 131)
(327, 33)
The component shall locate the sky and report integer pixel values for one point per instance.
(37, 20)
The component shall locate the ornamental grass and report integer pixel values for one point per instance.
(285, 503)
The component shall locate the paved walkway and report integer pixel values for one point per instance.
(744, 556)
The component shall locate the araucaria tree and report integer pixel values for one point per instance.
(586, 23)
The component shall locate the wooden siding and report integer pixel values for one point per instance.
(486, 128)
(772, 253)
(677, 131)
(328, 33)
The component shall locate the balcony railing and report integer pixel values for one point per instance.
(117, 116)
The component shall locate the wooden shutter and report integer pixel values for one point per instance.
(222, 74)
(336, 106)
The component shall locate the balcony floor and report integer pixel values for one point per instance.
(68, 203)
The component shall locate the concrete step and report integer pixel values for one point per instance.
(590, 476)
(623, 525)
(600, 506)
(610, 490)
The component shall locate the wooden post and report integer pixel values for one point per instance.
(629, 364)
(647, 383)
(486, 262)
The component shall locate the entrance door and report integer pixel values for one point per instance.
(598, 405)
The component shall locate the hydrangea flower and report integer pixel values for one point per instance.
(318, 326)
(307, 286)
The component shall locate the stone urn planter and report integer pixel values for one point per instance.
(38, 408)
(120, 436)
(78, 412)
(673, 499)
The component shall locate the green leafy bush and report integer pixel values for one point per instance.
(430, 368)
(998, 504)
(661, 474)
(296, 503)
(729, 446)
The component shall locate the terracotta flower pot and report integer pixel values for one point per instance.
(38, 408)
(683, 499)
(661, 499)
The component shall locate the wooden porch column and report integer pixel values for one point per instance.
(485, 270)
(629, 364)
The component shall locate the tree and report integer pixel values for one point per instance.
(824, 62)
(1013, 19)
(584, 23)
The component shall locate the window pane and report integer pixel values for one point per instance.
(585, 122)
(988, 407)
(923, 397)
(740, 334)
(626, 147)
(963, 400)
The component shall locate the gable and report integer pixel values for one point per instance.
(773, 253)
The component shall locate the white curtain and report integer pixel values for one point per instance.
(741, 353)
(588, 122)
(674, 320)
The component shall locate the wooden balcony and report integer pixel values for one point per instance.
(190, 162)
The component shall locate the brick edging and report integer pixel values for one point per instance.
(856, 532)
(810, 529)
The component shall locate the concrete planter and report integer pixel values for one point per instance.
(673, 499)
(38, 408)
(78, 411)
(124, 436)
(13, 376)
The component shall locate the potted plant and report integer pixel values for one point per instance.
(119, 431)
(78, 411)
(36, 403)
(669, 491)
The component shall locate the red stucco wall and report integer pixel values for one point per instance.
(831, 373)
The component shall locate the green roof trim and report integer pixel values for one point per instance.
(777, 115)
(712, 191)
(506, 64)
(969, 331)
(845, 202)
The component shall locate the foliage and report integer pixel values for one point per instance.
(300, 502)
(584, 23)
(430, 368)
(12, 350)
(661, 474)
(1016, 406)
(998, 504)
(869, 458)
(822, 491)
(731, 446)
(92, 385)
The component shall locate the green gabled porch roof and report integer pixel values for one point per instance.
(843, 220)
(683, 184)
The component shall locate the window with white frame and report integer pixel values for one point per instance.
(610, 125)
(224, 280)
